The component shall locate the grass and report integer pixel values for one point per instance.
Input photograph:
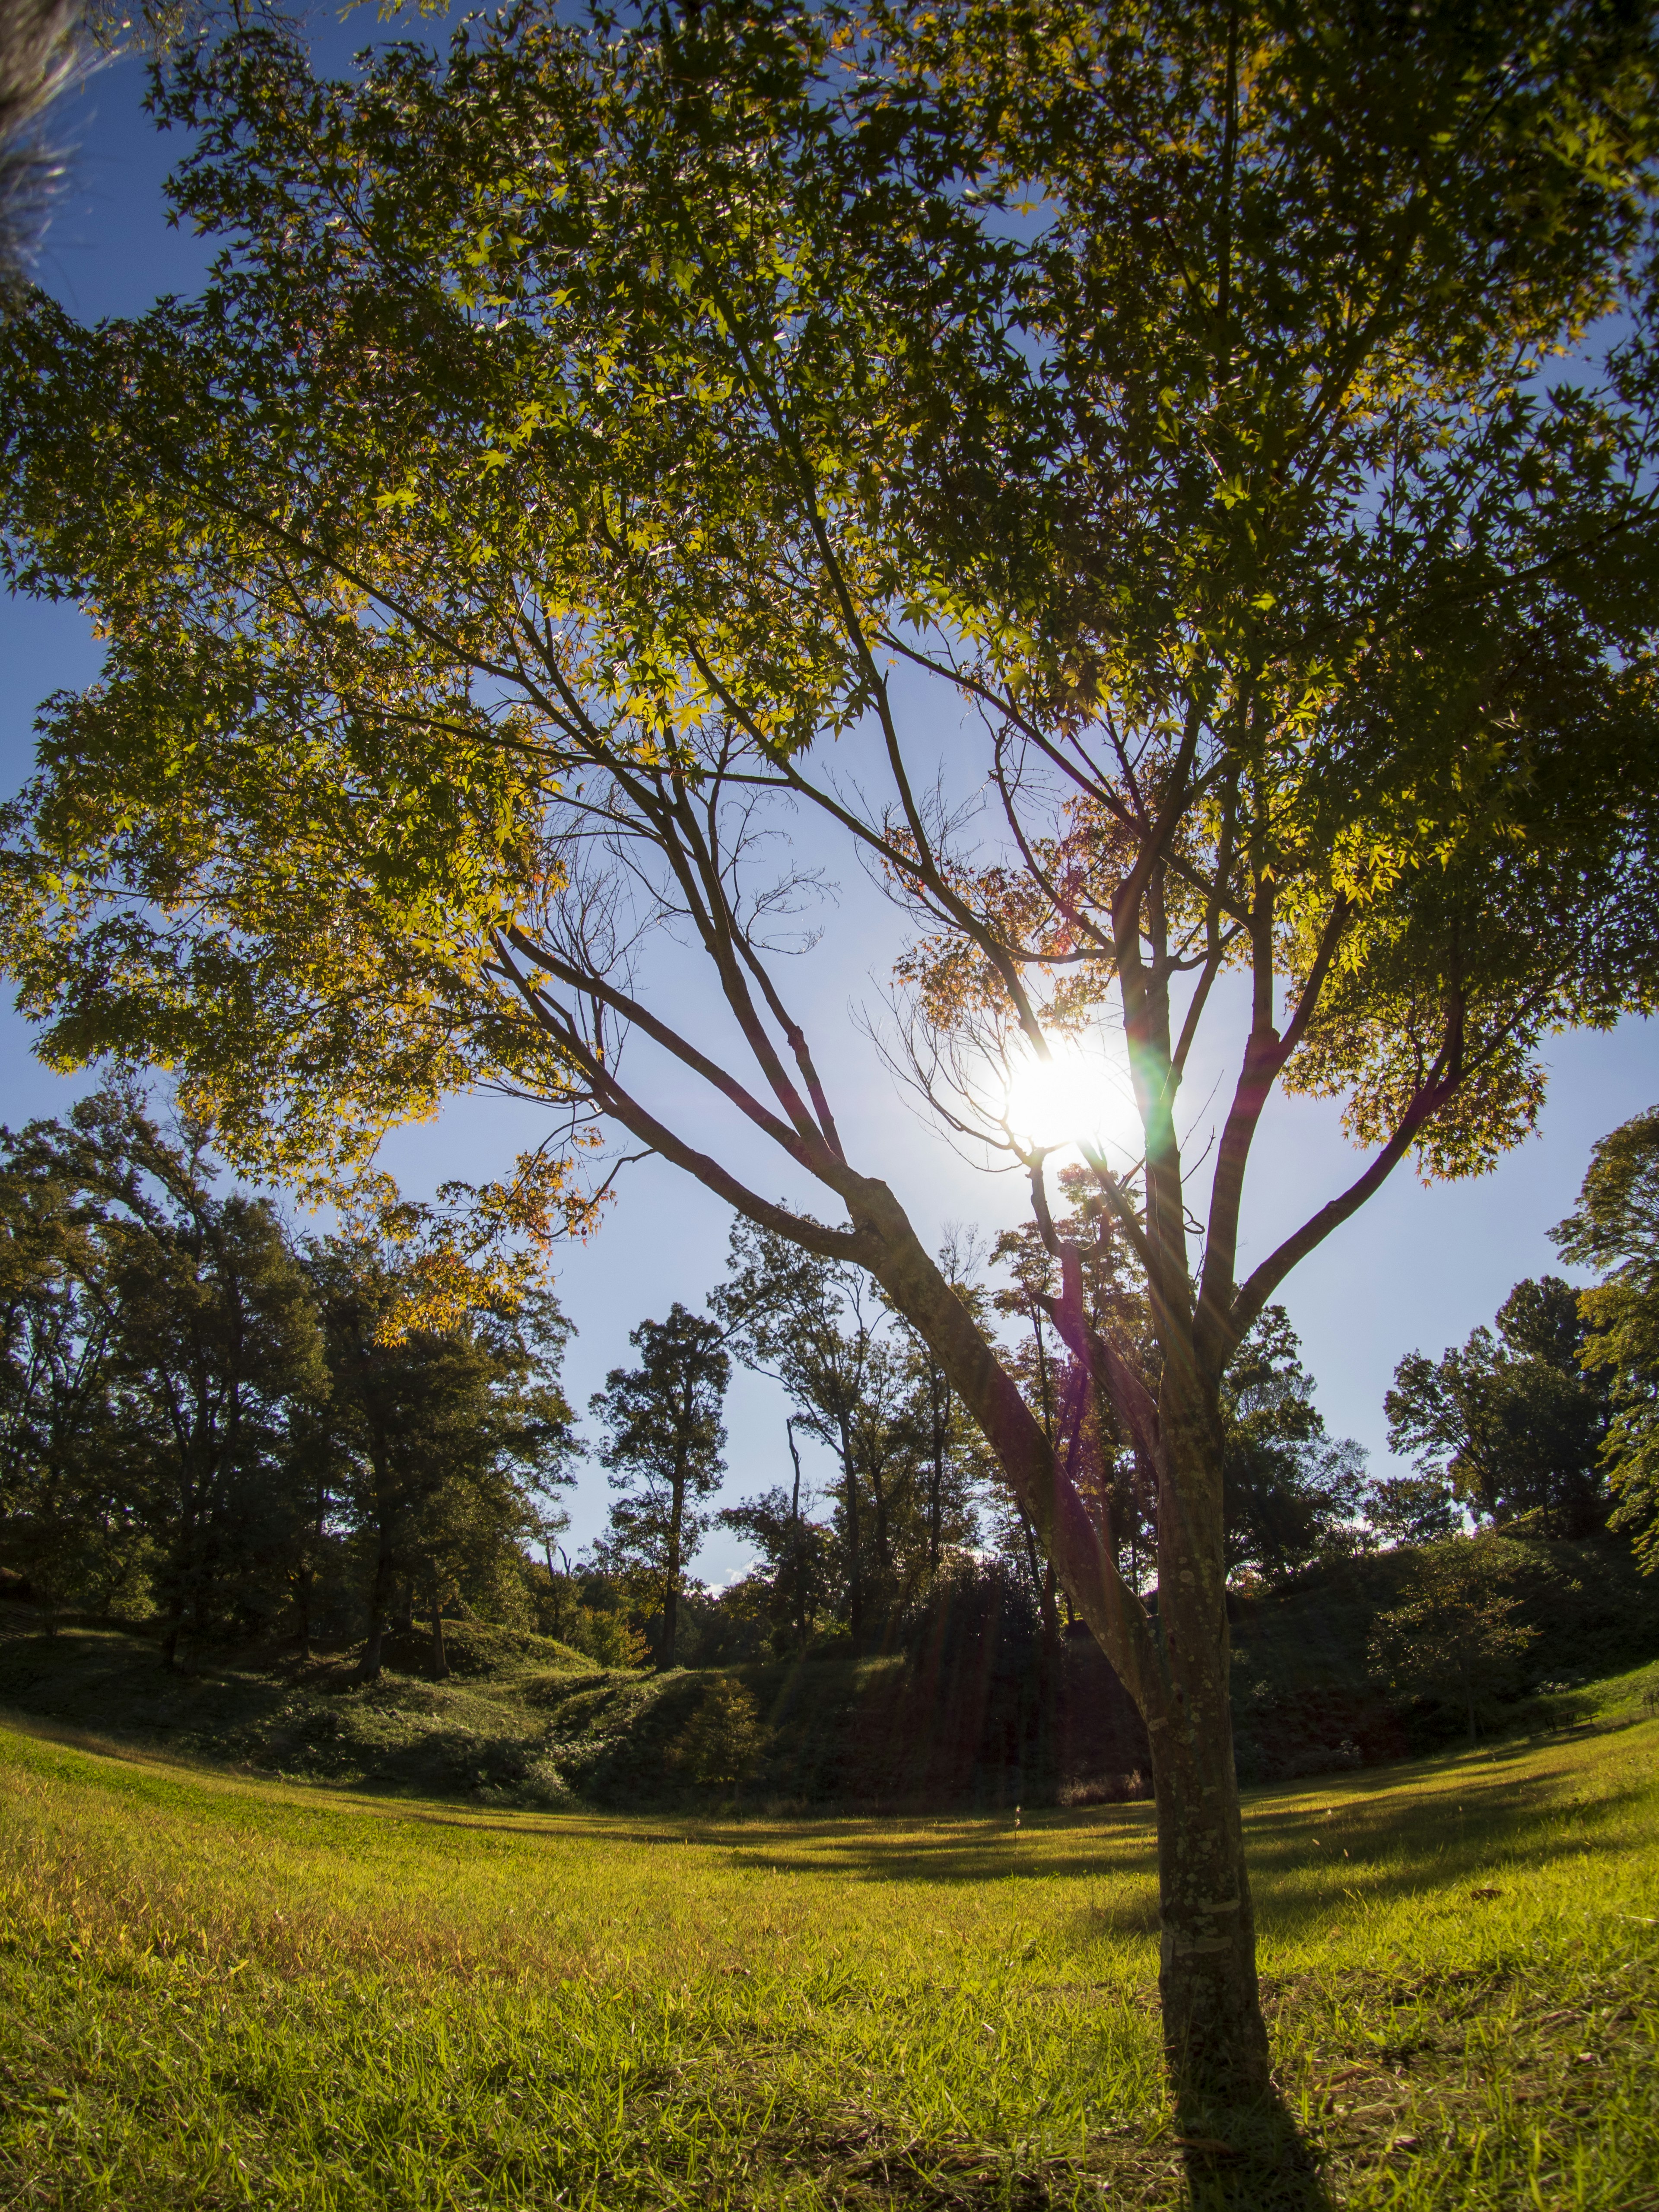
(217, 1991)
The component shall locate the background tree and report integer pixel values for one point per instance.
(1615, 1228)
(211, 1340)
(1511, 1424)
(794, 1577)
(443, 1352)
(1413, 1509)
(662, 1441)
(1455, 1635)
(949, 1441)
(68, 1521)
(1291, 1492)
(581, 422)
(806, 1322)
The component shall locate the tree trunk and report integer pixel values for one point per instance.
(795, 1542)
(1215, 2038)
(939, 1400)
(379, 1598)
(439, 1657)
(670, 1601)
(855, 1558)
(1174, 1667)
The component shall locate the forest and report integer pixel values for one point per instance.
(235, 1434)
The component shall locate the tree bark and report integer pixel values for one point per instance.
(379, 1599)
(939, 1406)
(670, 1602)
(855, 1554)
(1215, 2038)
(794, 1538)
(439, 1657)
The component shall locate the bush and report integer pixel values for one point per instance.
(722, 1739)
(1455, 1636)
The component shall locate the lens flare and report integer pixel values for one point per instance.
(1076, 1097)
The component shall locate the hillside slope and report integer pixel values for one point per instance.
(959, 1722)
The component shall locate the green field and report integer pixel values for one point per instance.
(220, 1990)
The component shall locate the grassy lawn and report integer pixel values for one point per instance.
(225, 1991)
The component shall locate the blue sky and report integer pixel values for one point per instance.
(1417, 1268)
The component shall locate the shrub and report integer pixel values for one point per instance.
(722, 1739)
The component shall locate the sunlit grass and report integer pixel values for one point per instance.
(216, 1991)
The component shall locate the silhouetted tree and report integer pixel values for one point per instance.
(664, 1437)
(1510, 1423)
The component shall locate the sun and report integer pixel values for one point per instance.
(1075, 1096)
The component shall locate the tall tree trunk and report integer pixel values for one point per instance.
(795, 1542)
(939, 1402)
(1215, 2038)
(670, 1602)
(1173, 1667)
(380, 1589)
(439, 1657)
(854, 1559)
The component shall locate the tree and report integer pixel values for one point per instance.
(445, 1416)
(797, 1569)
(1615, 1228)
(582, 424)
(210, 1342)
(1510, 1424)
(1455, 1635)
(664, 1437)
(66, 1517)
(1289, 1492)
(794, 1315)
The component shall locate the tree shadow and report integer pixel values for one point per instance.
(1243, 2155)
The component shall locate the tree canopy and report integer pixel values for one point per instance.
(662, 1441)
(1615, 1228)
(1510, 1424)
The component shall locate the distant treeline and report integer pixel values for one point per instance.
(241, 1433)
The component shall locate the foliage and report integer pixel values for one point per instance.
(203, 1416)
(1509, 1425)
(1292, 1495)
(1615, 1228)
(719, 1745)
(664, 1437)
(588, 1611)
(172, 1343)
(444, 1430)
(796, 1579)
(1455, 1635)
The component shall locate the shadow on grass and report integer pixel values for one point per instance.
(1245, 2158)
(1439, 1823)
